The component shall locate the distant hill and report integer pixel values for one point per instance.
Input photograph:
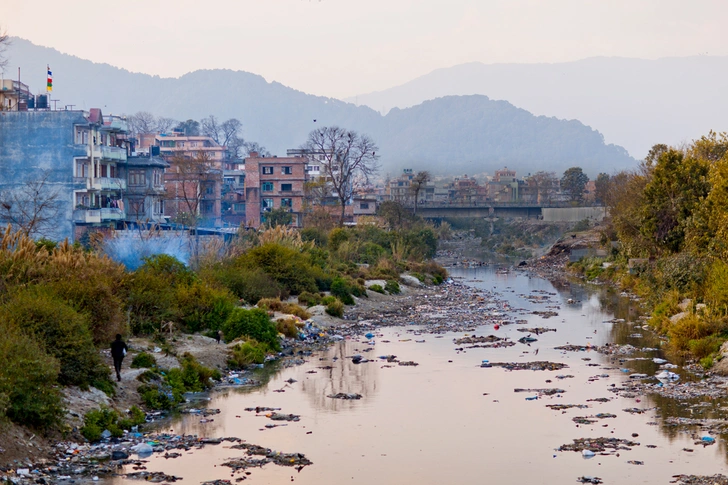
(451, 135)
(634, 102)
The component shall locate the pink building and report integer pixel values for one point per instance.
(274, 183)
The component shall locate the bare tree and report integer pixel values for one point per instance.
(418, 182)
(230, 130)
(254, 146)
(210, 126)
(4, 44)
(188, 177)
(163, 124)
(33, 208)
(544, 185)
(349, 160)
(143, 122)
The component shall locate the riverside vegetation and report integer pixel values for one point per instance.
(670, 218)
(61, 303)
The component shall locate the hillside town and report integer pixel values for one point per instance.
(74, 171)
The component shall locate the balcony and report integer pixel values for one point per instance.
(105, 183)
(107, 153)
(112, 214)
(96, 216)
(88, 216)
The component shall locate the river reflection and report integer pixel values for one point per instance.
(448, 420)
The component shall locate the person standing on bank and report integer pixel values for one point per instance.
(118, 351)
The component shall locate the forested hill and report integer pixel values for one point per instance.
(453, 135)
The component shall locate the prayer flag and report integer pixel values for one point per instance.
(49, 86)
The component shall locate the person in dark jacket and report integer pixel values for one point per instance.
(118, 351)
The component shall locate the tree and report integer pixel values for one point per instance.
(142, 122)
(188, 128)
(254, 146)
(32, 208)
(573, 183)
(601, 188)
(544, 184)
(654, 154)
(278, 217)
(418, 182)
(349, 160)
(165, 124)
(4, 44)
(189, 177)
(394, 213)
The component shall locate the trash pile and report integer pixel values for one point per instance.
(298, 460)
(538, 365)
(345, 396)
(598, 445)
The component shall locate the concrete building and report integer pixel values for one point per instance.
(194, 179)
(79, 153)
(233, 193)
(274, 183)
(145, 194)
(503, 187)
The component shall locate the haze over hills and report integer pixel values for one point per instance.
(635, 103)
(450, 135)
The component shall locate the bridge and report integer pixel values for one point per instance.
(554, 212)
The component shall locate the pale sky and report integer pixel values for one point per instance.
(341, 48)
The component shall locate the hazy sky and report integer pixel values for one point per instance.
(341, 48)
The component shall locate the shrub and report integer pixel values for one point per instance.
(341, 289)
(337, 237)
(377, 288)
(201, 306)
(104, 418)
(328, 299)
(275, 305)
(246, 353)
(309, 299)
(253, 323)
(287, 327)
(61, 330)
(28, 394)
(157, 397)
(335, 309)
(705, 346)
(287, 266)
(143, 360)
(392, 287)
(251, 284)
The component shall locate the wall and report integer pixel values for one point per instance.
(35, 141)
(573, 214)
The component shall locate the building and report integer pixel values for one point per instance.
(467, 191)
(14, 96)
(274, 183)
(145, 194)
(503, 187)
(400, 189)
(194, 179)
(233, 193)
(78, 154)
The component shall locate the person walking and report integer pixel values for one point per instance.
(218, 336)
(118, 351)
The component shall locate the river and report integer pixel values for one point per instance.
(449, 420)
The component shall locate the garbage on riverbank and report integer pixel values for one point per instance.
(538, 365)
(598, 445)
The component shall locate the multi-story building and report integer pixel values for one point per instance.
(274, 183)
(78, 154)
(233, 193)
(466, 190)
(400, 189)
(145, 194)
(504, 186)
(194, 179)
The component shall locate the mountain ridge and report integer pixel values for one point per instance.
(478, 131)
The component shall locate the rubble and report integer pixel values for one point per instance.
(538, 365)
(598, 445)
(345, 396)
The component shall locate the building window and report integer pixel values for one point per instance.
(364, 205)
(287, 203)
(267, 170)
(286, 187)
(157, 178)
(137, 177)
(267, 187)
(159, 207)
(209, 190)
(81, 170)
(104, 171)
(286, 170)
(207, 207)
(239, 208)
(267, 203)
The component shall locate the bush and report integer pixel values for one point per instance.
(275, 305)
(392, 287)
(143, 360)
(104, 418)
(377, 288)
(287, 327)
(246, 353)
(341, 289)
(157, 397)
(335, 308)
(287, 266)
(250, 285)
(309, 299)
(28, 392)
(201, 306)
(61, 330)
(327, 299)
(253, 323)
(337, 237)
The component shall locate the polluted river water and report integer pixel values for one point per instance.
(450, 419)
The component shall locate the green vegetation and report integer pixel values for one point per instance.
(392, 287)
(143, 360)
(671, 212)
(377, 288)
(61, 303)
(98, 420)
